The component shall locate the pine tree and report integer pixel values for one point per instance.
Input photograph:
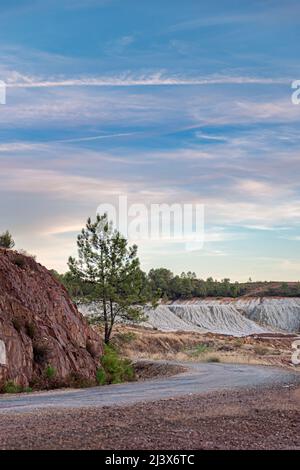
(113, 270)
(6, 240)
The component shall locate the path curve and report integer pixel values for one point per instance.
(198, 378)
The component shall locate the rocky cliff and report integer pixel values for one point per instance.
(40, 328)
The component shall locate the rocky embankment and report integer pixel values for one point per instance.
(41, 331)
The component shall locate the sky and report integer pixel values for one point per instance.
(165, 102)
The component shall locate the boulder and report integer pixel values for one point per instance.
(41, 328)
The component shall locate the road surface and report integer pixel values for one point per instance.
(198, 378)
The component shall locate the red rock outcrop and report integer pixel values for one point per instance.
(40, 326)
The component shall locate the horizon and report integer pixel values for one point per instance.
(194, 106)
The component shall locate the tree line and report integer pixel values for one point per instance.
(107, 271)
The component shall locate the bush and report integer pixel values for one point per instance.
(6, 240)
(11, 387)
(115, 369)
(101, 377)
(200, 349)
(50, 372)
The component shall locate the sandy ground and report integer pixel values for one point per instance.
(264, 418)
(137, 342)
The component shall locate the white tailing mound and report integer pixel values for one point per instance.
(237, 317)
(281, 313)
(241, 317)
(203, 316)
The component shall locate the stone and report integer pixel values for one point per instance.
(40, 326)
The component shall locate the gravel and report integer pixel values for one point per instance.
(256, 418)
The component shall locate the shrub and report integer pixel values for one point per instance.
(101, 377)
(11, 387)
(50, 372)
(116, 370)
(6, 240)
(200, 349)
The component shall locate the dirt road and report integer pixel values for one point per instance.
(198, 378)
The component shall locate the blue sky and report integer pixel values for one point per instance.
(165, 101)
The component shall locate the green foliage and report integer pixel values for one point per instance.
(111, 274)
(101, 377)
(11, 387)
(6, 240)
(50, 372)
(187, 285)
(115, 369)
(200, 349)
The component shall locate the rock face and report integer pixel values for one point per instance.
(41, 327)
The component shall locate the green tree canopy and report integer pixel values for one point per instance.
(6, 240)
(106, 263)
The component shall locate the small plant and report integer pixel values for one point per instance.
(199, 349)
(50, 372)
(116, 370)
(11, 387)
(213, 359)
(101, 377)
(6, 240)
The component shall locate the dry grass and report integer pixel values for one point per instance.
(144, 343)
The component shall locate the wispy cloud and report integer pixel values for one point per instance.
(127, 79)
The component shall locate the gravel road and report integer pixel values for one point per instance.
(198, 378)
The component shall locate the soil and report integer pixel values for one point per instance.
(136, 342)
(260, 418)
